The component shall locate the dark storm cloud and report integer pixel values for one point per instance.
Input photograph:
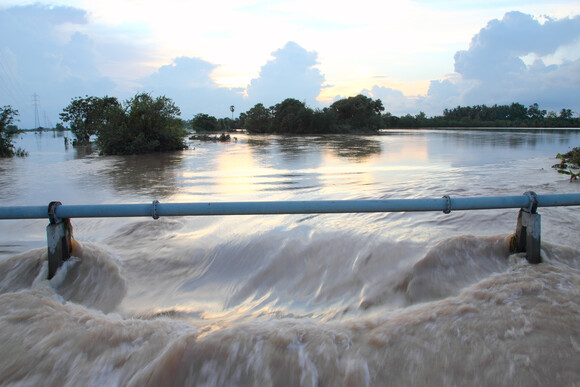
(291, 74)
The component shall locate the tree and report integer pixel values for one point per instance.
(358, 113)
(204, 123)
(290, 117)
(517, 111)
(232, 109)
(87, 116)
(535, 113)
(566, 114)
(142, 125)
(258, 119)
(7, 115)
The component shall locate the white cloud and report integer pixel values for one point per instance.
(492, 70)
(189, 51)
(290, 74)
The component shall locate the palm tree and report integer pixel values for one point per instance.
(232, 108)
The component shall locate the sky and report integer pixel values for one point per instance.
(416, 56)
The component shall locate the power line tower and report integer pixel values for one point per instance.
(36, 118)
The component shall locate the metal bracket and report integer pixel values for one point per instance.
(154, 210)
(52, 206)
(58, 236)
(533, 207)
(447, 209)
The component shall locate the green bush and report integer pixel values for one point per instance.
(7, 130)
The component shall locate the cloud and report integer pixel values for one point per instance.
(188, 82)
(496, 51)
(43, 53)
(291, 74)
(493, 70)
(394, 101)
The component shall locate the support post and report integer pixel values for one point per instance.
(527, 238)
(58, 235)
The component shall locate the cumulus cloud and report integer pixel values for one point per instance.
(394, 101)
(497, 49)
(189, 83)
(40, 55)
(492, 70)
(290, 74)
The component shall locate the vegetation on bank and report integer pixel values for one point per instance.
(145, 124)
(205, 137)
(357, 114)
(569, 163)
(361, 114)
(142, 124)
(7, 131)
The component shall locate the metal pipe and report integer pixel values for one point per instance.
(157, 209)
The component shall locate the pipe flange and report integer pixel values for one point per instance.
(447, 209)
(154, 213)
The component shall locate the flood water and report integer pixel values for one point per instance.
(334, 299)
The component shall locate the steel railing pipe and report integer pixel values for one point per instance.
(156, 209)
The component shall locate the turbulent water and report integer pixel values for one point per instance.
(338, 299)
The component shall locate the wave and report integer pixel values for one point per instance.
(91, 277)
(473, 314)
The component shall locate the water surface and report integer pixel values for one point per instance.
(335, 299)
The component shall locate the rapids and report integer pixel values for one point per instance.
(353, 299)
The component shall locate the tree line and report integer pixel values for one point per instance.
(361, 114)
(144, 124)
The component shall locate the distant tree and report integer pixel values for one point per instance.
(258, 119)
(389, 120)
(290, 116)
(535, 113)
(225, 124)
(565, 114)
(241, 121)
(232, 109)
(358, 113)
(204, 123)
(7, 115)
(87, 116)
(408, 121)
(517, 111)
(142, 125)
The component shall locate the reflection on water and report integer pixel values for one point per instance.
(82, 151)
(329, 299)
(355, 148)
(156, 175)
(258, 167)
